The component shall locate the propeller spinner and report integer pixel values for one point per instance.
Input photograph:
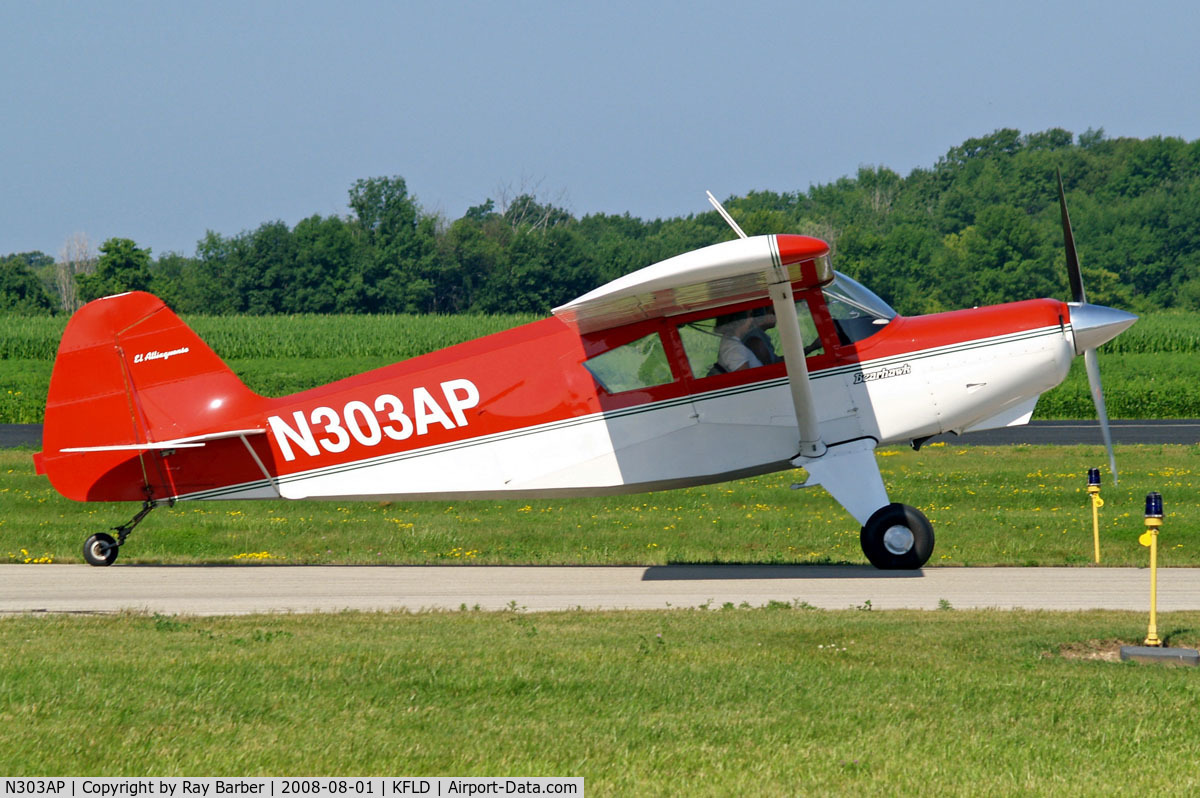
(1092, 325)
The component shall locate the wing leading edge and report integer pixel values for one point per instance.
(704, 278)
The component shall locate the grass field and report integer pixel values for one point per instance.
(769, 701)
(1008, 505)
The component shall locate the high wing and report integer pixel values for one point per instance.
(720, 274)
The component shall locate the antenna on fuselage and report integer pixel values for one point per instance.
(725, 215)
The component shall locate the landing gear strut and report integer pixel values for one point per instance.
(897, 537)
(102, 549)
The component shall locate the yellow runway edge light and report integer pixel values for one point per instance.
(1154, 516)
(1093, 490)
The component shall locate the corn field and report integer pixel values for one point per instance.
(1164, 331)
(1150, 371)
(263, 337)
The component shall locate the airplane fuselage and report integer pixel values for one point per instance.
(519, 415)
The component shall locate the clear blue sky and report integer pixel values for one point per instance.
(160, 120)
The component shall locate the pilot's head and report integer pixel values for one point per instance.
(764, 318)
(730, 322)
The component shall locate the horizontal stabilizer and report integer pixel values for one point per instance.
(193, 442)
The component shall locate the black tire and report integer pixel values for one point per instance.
(897, 537)
(100, 549)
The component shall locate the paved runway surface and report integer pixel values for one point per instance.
(1130, 431)
(20, 435)
(12, 435)
(203, 590)
(229, 590)
(1037, 432)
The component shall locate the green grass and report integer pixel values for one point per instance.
(1008, 505)
(770, 701)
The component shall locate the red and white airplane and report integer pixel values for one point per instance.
(741, 358)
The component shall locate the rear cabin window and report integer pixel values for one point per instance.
(745, 339)
(640, 364)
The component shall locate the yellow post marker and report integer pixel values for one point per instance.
(1153, 650)
(1154, 516)
(1093, 490)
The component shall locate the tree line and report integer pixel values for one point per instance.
(978, 227)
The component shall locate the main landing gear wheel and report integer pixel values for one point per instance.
(897, 537)
(100, 549)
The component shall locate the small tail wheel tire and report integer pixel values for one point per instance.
(897, 537)
(100, 549)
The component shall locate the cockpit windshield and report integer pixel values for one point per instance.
(857, 312)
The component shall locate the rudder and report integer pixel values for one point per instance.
(129, 371)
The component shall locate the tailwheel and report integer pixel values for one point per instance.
(897, 537)
(100, 549)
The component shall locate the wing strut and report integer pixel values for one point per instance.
(792, 344)
(779, 286)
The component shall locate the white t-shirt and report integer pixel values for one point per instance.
(734, 355)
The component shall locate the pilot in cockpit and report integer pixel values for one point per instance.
(744, 344)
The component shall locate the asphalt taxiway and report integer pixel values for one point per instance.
(236, 590)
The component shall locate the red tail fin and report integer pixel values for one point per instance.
(128, 372)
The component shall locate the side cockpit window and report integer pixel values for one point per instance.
(745, 339)
(639, 364)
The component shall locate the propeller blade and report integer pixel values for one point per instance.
(1073, 273)
(1093, 374)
